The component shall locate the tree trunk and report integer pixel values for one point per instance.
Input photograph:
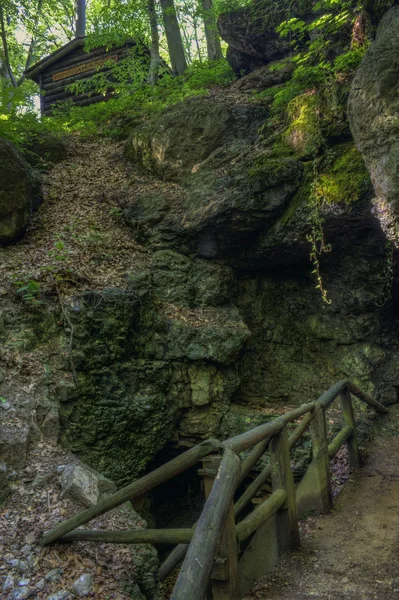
(3, 37)
(173, 36)
(211, 31)
(81, 18)
(154, 50)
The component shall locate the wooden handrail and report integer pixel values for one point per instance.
(133, 536)
(206, 536)
(179, 552)
(264, 475)
(196, 570)
(262, 512)
(246, 440)
(367, 399)
(328, 397)
(137, 488)
(339, 440)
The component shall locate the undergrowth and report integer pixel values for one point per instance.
(112, 118)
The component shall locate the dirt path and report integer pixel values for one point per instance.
(353, 553)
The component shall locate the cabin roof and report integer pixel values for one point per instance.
(34, 71)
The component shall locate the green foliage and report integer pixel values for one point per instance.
(348, 62)
(28, 290)
(114, 117)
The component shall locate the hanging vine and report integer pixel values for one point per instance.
(316, 236)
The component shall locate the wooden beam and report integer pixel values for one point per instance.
(264, 475)
(134, 536)
(225, 584)
(197, 567)
(172, 560)
(251, 460)
(314, 493)
(367, 399)
(329, 396)
(283, 480)
(242, 442)
(137, 488)
(261, 513)
(295, 414)
(339, 440)
(349, 419)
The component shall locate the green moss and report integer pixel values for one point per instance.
(346, 180)
(268, 172)
(304, 133)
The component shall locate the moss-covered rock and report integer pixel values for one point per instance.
(206, 334)
(345, 179)
(20, 193)
(181, 280)
(175, 142)
(374, 119)
(251, 33)
(43, 149)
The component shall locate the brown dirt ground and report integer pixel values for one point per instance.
(353, 553)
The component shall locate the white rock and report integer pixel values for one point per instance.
(21, 593)
(61, 595)
(54, 575)
(8, 584)
(85, 485)
(83, 585)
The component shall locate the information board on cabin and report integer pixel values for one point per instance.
(89, 66)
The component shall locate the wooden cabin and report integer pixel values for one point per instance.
(69, 64)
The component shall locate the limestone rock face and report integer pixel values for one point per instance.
(374, 119)
(20, 193)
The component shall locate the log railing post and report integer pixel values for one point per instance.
(225, 583)
(349, 418)
(282, 478)
(321, 461)
(196, 570)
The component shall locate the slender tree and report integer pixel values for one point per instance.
(173, 37)
(154, 48)
(211, 31)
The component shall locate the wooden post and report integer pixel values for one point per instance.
(321, 461)
(349, 418)
(282, 479)
(225, 582)
(202, 553)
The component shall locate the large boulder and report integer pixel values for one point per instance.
(175, 142)
(20, 193)
(45, 148)
(252, 37)
(230, 189)
(374, 119)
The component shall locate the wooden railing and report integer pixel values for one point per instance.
(216, 550)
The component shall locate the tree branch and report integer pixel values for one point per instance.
(32, 44)
(3, 36)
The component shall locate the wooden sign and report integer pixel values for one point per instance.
(89, 66)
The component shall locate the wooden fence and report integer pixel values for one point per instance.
(227, 551)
